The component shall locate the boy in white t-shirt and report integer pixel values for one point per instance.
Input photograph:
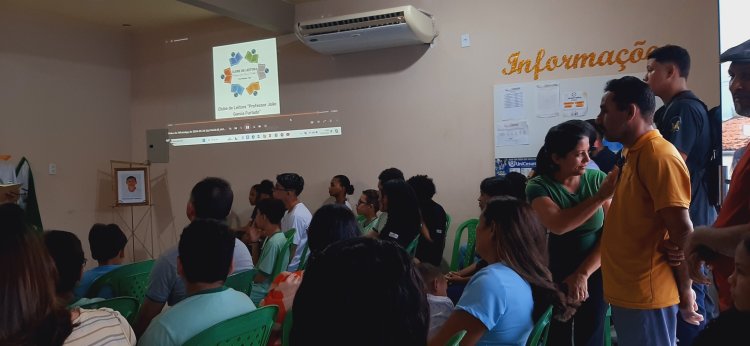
(436, 287)
(288, 187)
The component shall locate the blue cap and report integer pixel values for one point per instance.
(738, 53)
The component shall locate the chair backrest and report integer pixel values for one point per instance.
(286, 329)
(538, 336)
(250, 329)
(470, 226)
(447, 223)
(126, 306)
(607, 328)
(303, 258)
(412, 247)
(241, 281)
(282, 260)
(455, 340)
(130, 280)
(360, 218)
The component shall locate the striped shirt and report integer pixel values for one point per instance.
(100, 327)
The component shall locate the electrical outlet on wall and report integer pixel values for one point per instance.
(52, 168)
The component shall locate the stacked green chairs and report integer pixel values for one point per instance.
(455, 340)
(241, 281)
(129, 280)
(538, 336)
(470, 227)
(250, 329)
(126, 306)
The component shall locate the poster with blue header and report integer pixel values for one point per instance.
(522, 165)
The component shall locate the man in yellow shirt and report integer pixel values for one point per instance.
(650, 204)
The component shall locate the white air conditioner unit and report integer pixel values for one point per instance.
(391, 27)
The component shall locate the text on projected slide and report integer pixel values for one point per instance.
(246, 79)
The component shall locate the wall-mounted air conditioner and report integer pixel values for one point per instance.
(391, 27)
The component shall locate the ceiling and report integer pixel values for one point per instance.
(139, 14)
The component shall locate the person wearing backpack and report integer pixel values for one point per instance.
(683, 121)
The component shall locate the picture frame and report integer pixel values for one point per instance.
(131, 186)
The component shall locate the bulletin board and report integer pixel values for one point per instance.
(524, 112)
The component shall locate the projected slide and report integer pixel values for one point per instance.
(246, 79)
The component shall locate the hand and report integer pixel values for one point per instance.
(578, 290)
(453, 277)
(10, 197)
(675, 255)
(607, 189)
(689, 308)
(695, 265)
(253, 234)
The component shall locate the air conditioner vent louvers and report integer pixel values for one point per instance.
(355, 23)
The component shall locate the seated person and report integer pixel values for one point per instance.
(367, 208)
(404, 222)
(434, 218)
(211, 198)
(205, 260)
(67, 254)
(32, 313)
(436, 286)
(267, 224)
(331, 223)
(730, 326)
(372, 289)
(503, 300)
(107, 244)
(512, 184)
(288, 188)
(340, 188)
(258, 193)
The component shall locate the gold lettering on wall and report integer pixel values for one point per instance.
(622, 57)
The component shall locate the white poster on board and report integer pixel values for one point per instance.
(246, 79)
(509, 102)
(508, 133)
(574, 104)
(548, 100)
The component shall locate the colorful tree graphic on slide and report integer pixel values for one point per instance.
(244, 73)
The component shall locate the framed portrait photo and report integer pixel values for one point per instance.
(131, 186)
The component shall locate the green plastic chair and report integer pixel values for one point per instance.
(447, 223)
(126, 306)
(250, 329)
(290, 233)
(538, 336)
(286, 329)
(455, 340)
(303, 258)
(412, 247)
(241, 281)
(607, 329)
(282, 260)
(360, 219)
(470, 227)
(130, 280)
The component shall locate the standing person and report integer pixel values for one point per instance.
(340, 188)
(287, 189)
(734, 218)
(368, 207)
(651, 202)
(210, 198)
(504, 299)
(433, 217)
(571, 202)
(683, 121)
